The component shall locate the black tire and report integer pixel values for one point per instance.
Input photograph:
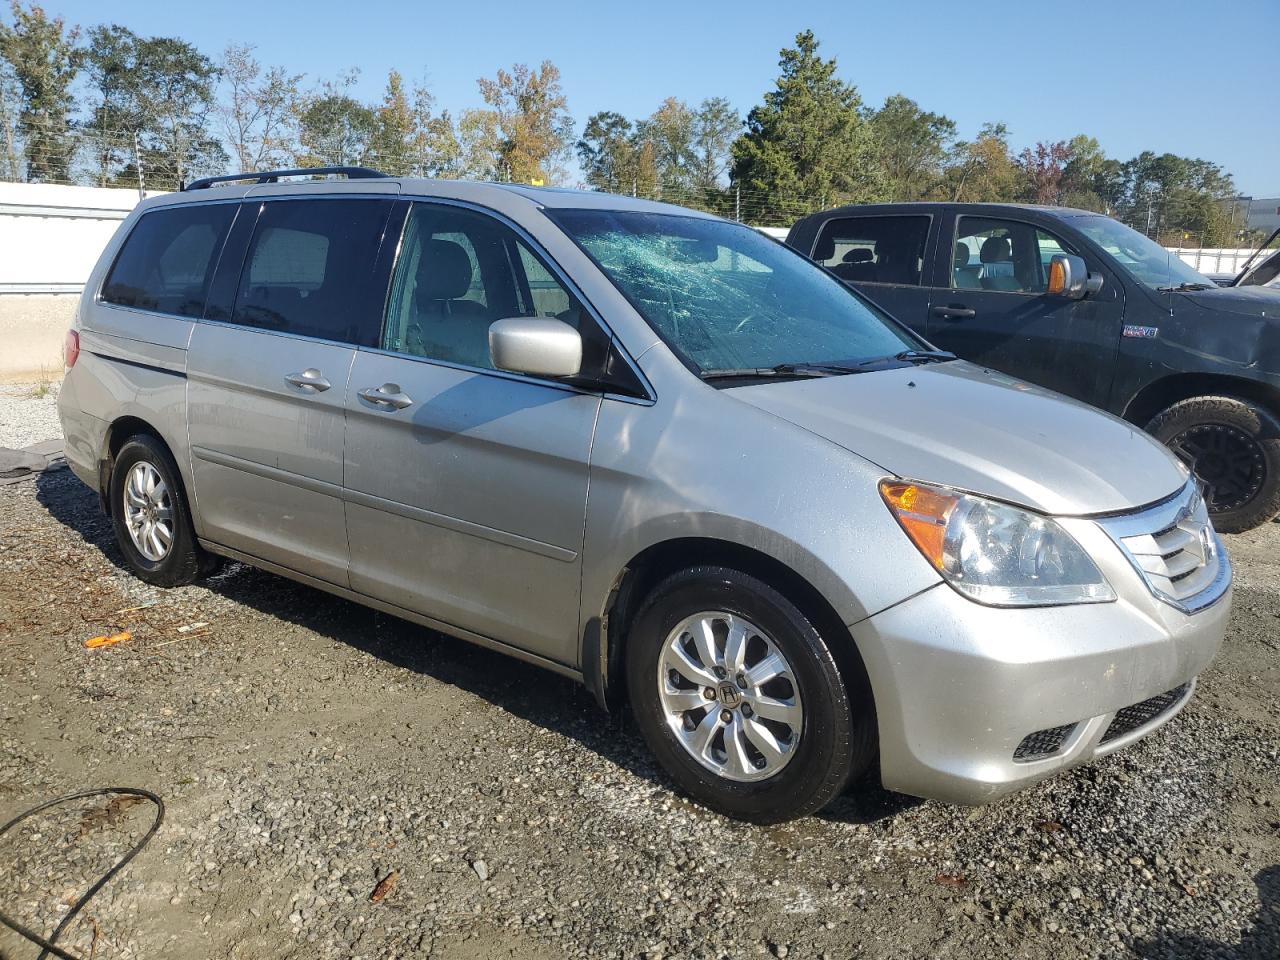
(1233, 446)
(185, 561)
(838, 740)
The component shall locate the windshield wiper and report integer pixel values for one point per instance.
(829, 368)
(780, 370)
(925, 356)
(1185, 287)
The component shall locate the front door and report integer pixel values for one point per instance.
(990, 306)
(466, 487)
(885, 259)
(266, 387)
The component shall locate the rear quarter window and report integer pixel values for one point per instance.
(167, 260)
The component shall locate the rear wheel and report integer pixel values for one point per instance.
(1233, 447)
(740, 699)
(150, 516)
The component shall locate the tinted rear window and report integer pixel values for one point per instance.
(309, 270)
(167, 261)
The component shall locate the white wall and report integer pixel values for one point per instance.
(50, 238)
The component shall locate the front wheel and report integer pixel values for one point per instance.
(741, 700)
(1233, 446)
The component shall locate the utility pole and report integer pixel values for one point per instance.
(737, 202)
(137, 163)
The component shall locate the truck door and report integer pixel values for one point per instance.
(884, 258)
(991, 307)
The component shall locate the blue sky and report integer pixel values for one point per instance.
(1188, 77)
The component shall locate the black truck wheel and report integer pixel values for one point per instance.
(1233, 446)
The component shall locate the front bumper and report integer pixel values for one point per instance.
(958, 686)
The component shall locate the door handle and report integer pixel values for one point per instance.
(309, 379)
(387, 395)
(954, 313)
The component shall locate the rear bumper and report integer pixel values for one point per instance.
(959, 686)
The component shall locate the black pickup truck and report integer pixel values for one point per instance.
(1082, 304)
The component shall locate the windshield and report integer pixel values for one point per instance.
(1148, 262)
(724, 296)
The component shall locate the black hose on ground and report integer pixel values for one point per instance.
(48, 945)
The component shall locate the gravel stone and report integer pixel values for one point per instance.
(28, 414)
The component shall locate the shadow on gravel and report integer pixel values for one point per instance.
(531, 693)
(1262, 942)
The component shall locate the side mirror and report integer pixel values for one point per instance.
(539, 346)
(1069, 277)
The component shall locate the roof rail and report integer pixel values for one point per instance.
(273, 176)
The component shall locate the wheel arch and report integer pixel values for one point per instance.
(1165, 392)
(118, 433)
(605, 637)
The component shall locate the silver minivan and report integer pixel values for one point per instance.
(654, 451)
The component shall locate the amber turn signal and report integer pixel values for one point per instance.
(1057, 278)
(923, 513)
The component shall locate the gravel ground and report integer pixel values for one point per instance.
(310, 750)
(28, 414)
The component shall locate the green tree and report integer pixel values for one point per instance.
(533, 124)
(715, 127)
(807, 145)
(606, 151)
(160, 93)
(258, 110)
(334, 128)
(44, 58)
(1090, 180)
(395, 147)
(984, 170)
(912, 146)
(669, 131)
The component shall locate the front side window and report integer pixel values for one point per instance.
(874, 249)
(998, 255)
(168, 259)
(724, 297)
(309, 270)
(458, 272)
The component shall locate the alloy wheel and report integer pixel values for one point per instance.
(148, 511)
(730, 696)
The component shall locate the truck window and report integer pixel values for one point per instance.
(874, 249)
(167, 260)
(1002, 255)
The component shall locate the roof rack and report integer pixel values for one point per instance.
(273, 176)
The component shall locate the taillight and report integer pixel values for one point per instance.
(71, 349)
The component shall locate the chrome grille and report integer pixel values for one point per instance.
(1174, 547)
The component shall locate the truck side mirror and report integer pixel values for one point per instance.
(1069, 277)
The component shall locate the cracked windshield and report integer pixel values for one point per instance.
(725, 297)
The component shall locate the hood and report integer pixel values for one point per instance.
(974, 429)
(1247, 301)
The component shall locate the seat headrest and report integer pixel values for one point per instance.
(996, 250)
(444, 271)
(860, 255)
(960, 257)
(826, 248)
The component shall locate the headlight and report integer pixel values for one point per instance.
(993, 553)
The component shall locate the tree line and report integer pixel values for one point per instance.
(111, 107)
